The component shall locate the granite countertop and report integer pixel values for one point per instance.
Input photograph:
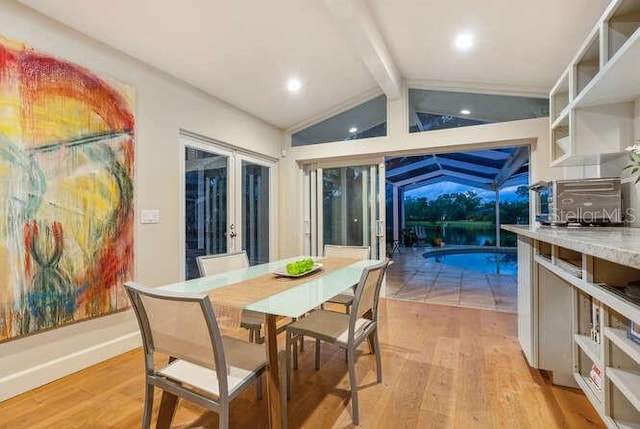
(616, 244)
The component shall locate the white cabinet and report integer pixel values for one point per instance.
(581, 323)
(527, 302)
(592, 104)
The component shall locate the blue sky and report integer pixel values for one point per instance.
(434, 190)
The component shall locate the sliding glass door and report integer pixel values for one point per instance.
(344, 207)
(226, 203)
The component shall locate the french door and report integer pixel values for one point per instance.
(227, 202)
(344, 205)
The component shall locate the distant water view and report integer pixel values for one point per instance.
(484, 262)
(461, 233)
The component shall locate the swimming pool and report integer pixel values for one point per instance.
(502, 260)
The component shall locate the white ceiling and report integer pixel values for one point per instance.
(243, 51)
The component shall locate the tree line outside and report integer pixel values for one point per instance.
(467, 210)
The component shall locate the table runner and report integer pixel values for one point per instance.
(228, 301)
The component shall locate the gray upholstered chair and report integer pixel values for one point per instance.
(214, 264)
(205, 367)
(347, 331)
(352, 252)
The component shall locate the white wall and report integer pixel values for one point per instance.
(163, 106)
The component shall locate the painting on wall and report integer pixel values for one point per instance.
(66, 192)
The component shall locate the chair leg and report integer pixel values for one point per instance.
(317, 354)
(148, 406)
(250, 335)
(287, 373)
(355, 417)
(378, 354)
(294, 346)
(223, 416)
(301, 339)
(258, 336)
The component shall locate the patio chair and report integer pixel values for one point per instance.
(214, 264)
(352, 252)
(204, 367)
(421, 233)
(347, 331)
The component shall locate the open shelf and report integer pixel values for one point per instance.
(559, 98)
(628, 382)
(619, 338)
(595, 396)
(589, 347)
(588, 65)
(623, 22)
(618, 81)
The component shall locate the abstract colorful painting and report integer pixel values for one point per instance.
(66, 192)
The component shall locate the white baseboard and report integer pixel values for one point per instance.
(35, 376)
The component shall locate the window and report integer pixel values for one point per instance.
(366, 120)
(435, 110)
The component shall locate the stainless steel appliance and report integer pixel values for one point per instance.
(584, 202)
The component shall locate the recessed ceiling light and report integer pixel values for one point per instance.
(294, 85)
(464, 41)
(353, 130)
(465, 111)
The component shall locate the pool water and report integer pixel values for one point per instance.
(483, 262)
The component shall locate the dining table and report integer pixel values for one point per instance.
(267, 288)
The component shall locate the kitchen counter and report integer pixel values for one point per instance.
(615, 244)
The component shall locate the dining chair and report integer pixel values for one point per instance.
(204, 367)
(209, 265)
(346, 331)
(352, 252)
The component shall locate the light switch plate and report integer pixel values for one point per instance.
(150, 216)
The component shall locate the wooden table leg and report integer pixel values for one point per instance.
(277, 419)
(168, 404)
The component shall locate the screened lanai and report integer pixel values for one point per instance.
(489, 170)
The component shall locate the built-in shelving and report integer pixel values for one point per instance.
(597, 307)
(591, 105)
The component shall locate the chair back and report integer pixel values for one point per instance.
(352, 252)
(367, 294)
(180, 325)
(213, 264)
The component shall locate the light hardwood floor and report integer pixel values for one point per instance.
(443, 367)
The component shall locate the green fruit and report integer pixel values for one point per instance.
(300, 267)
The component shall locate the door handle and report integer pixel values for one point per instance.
(232, 233)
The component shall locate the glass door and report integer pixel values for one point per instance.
(344, 208)
(207, 205)
(227, 203)
(254, 208)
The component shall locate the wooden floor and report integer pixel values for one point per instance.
(443, 367)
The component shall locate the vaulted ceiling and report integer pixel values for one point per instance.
(243, 51)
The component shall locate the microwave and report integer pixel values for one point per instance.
(583, 202)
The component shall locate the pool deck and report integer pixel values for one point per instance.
(415, 278)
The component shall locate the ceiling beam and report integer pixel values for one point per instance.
(360, 28)
(444, 178)
(489, 154)
(472, 167)
(442, 164)
(470, 178)
(513, 164)
(411, 167)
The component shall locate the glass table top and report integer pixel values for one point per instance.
(290, 303)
